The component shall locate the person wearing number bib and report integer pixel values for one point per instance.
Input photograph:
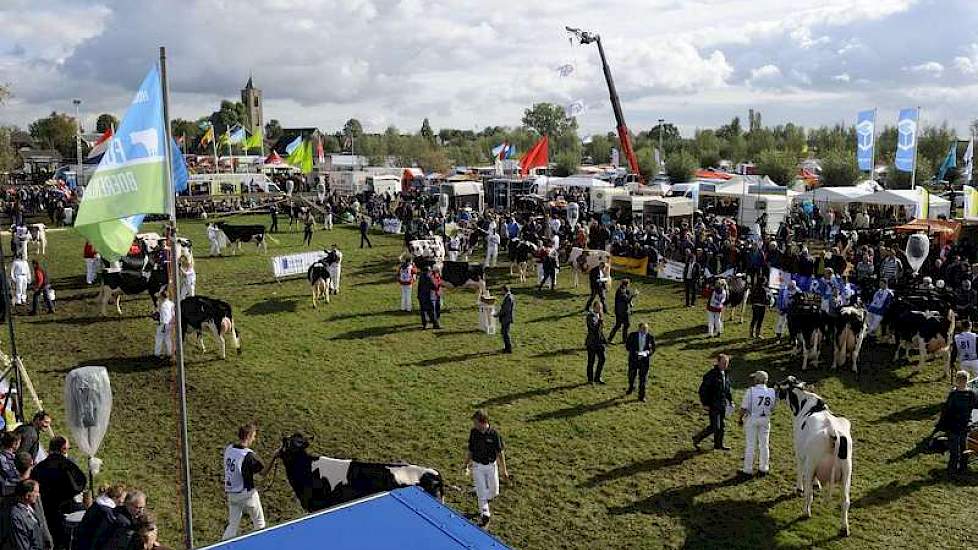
(406, 274)
(240, 466)
(878, 306)
(965, 348)
(757, 406)
(714, 309)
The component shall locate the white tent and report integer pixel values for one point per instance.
(908, 198)
(841, 195)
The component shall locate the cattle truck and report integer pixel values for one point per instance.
(462, 194)
(347, 183)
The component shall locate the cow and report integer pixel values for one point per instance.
(520, 252)
(850, 331)
(930, 332)
(736, 295)
(431, 249)
(116, 281)
(200, 312)
(823, 445)
(583, 260)
(318, 275)
(38, 234)
(321, 482)
(464, 275)
(152, 241)
(806, 327)
(237, 234)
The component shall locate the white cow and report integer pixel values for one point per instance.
(823, 445)
(430, 248)
(850, 329)
(583, 260)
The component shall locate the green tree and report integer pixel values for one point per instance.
(728, 131)
(353, 129)
(273, 130)
(434, 159)
(188, 128)
(548, 120)
(566, 164)
(426, 132)
(780, 166)
(839, 169)
(106, 121)
(646, 162)
(57, 132)
(896, 179)
(230, 114)
(707, 148)
(680, 167)
(9, 159)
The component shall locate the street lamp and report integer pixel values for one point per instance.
(662, 154)
(78, 146)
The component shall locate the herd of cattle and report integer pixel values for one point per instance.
(919, 319)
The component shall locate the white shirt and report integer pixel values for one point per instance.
(966, 344)
(492, 240)
(20, 269)
(759, 401)
(555, 225)
(166, 312)
(233, 461)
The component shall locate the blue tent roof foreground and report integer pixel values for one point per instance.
(405, 519)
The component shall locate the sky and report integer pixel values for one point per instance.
(468, 65)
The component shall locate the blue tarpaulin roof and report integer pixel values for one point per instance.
(405, 519)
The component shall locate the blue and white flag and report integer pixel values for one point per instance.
(865, 139)
(292, 146)
(968, 159)
(906, 140)
(237, 135)
(950, 161)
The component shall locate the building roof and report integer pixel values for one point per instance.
(40, 155)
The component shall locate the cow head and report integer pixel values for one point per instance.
(796, 393)
(293, 445)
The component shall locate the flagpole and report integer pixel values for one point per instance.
(217, 168)
(913, 167)
(872, 165)
(177, 321)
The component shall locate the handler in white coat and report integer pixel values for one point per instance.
(213, 235)
(164, 326)
(335, 269)
(492, 249)
(20, 274)
(755, 415)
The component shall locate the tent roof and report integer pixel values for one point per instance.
(838, 194)
(900, 197)
(405, 518)
(952, 228)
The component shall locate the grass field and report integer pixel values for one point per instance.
(592, 469)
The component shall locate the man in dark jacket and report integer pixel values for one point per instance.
(24, 464)
(715, 397)
(426, 289)
(364, 226)
(595, 343)
(30, 434)
(640, 346)
(954, 421)
(598, 281)
(692, 274)
(623, 309)
(61, 481)
(127, 521)
(505, 316)
(99, 520)
(25, 528)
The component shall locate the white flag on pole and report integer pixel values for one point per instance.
(968, 159)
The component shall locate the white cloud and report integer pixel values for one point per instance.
(930, 68)
(968, 65)
(764, 75)
(843, 77)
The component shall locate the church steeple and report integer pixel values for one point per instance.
(252, 100)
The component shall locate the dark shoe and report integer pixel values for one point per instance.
(642, 399)
(761, 473)
(629, 391)
(601, 381)
(721, 448)
(507, 351)
(484, 522)
(696, 443)
(437, 326)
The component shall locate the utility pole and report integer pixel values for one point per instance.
(79, 177)
(662, 154)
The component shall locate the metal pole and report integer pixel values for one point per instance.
(175, 292)
(872, 165)
(78, 138)
(913, 166)
(662, 154)
(8, 307)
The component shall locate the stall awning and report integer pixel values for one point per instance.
(951, 229)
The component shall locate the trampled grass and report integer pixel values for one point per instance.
(592, 469)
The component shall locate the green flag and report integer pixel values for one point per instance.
(131, 178)
(254, 141)
(301, 157)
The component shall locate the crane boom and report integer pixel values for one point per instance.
(623, 136)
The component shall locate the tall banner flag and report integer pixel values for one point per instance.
(906, 140)
(923, 203)
(100, 145)
(293, 144)
(237, 135)
(950, 161)
(130, 181)
(208, 136)
(536, 157)
(970, 202)
(968, 158)
(301, 157)
(866, 139)
(254, 141)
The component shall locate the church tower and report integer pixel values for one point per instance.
(251, 98)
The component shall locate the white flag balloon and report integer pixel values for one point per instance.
(566, 70)
(88, 405)
(918, 246)
(573, 213)
(575, 108)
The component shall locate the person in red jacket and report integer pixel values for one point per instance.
(407, 273)
(91, 263)
(42, 287)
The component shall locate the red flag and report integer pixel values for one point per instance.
(98, 148)
(536, 157)
(320, 155)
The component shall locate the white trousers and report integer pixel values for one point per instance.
(453, 255)
(757, 432)
(486, 479)
(189, 286)
(781, 324)
(405, 297)
(487, 318)
(163, 341)
(215, 248)
(714, 322)
(334, 278)
(239, 504)
(873, 322)
(971, 367)
(91, 268)
(491, 253)
(20, 288)
(328, 221)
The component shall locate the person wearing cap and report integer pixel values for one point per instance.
(757, 407)
(485, 459)
(954, 421)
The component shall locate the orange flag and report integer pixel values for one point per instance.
(537, 156)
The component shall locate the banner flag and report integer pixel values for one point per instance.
(670, 270)
(906, 140)
(254, 141)
(970, 202)
(237, 135)
(301, 157)
(208, 136)
(950, 161)
(130, 181)
(968, 158)
(865, 139)
(923, 203)
(291, 146)
(536, 157)
(635, 266)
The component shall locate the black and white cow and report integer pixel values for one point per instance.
(116, 281)
(806, 326)
(736, 295)
(929, 332)
(237, 234)
(583, 260)
(850, 330)
(200, 312)
(464, 275)
(320, 482)
(318, 275)
(520, 252)
(823, 445)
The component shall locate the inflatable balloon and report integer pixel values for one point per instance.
(443, 204)
(88, 404)
(573, 213)
(918, 246)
